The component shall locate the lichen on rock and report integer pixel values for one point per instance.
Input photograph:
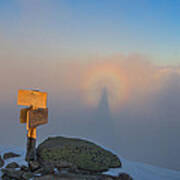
(70, 152)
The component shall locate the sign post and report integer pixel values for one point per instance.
(34, 115)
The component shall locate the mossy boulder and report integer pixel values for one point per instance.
(12, 165)
(72, 152)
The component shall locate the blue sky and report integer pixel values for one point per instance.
(104, 27)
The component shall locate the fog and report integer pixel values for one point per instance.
(125, 103)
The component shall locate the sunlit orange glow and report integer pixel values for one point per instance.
(109, 76)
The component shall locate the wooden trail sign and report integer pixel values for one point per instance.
(32, 98)
(34, 115)
(23, 114)
(37, 117)
(37, 112)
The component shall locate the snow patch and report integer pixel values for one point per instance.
(140, 171)
(19, 160)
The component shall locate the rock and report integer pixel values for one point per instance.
(27, 175)
(24, 168)
(64, 152)
(124, 176)
(47, 177)
(1, 162)
(12, 165)
(46, 170)
(12, 173)
(34, 165)
(70, 176)
(10, 155)
(5, 177)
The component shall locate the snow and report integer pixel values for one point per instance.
(138, 171)
(20, 160)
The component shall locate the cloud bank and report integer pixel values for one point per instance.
(137, 117)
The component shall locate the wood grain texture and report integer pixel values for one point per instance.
(32, 98)
(23, 114)
(37, 117)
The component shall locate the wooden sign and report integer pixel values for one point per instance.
(32, 98)
(37, 117)
(23, 114)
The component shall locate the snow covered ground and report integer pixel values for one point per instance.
(20, 160)
(138, 171)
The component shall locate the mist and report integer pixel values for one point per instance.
(122, 102)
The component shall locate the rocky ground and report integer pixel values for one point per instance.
(62, 158)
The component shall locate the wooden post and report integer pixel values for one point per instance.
(31, 131)
(31, 140)
(36, 114)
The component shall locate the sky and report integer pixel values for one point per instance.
(111, 70)
(69, 28)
